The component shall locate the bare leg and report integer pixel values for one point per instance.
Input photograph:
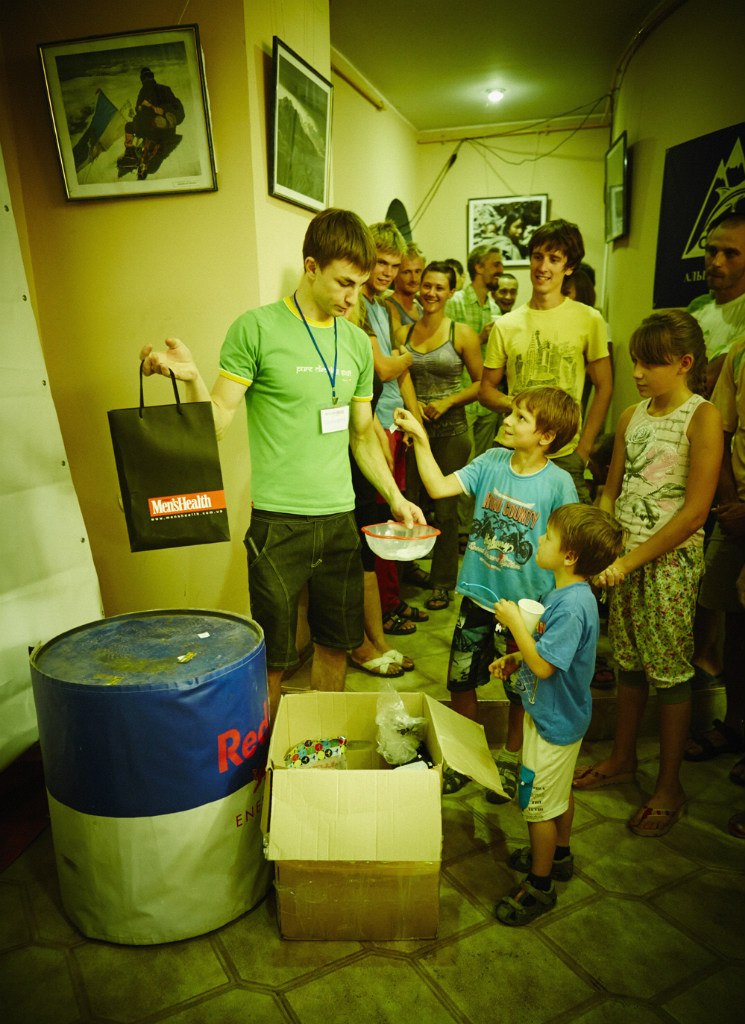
(374, 643)
(515, 718)
(543, 841)
(545, 836)
(564, 824)
(329, 669)
(274, 677)
(707, 631)
(374, 613)
(675, 721)
(630, 704)
(465, 703)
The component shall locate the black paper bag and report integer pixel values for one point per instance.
(169, 473)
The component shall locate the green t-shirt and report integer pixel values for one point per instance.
(294, 466)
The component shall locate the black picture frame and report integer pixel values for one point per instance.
(300, 139)
(617, 189)
(100, 95)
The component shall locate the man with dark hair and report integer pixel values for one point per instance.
(721, 312)
(505, 293)
(305, 375)
(552, 340)
(474, 305)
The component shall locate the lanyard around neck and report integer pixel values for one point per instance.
(331, 376)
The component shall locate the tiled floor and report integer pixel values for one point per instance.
(644, 932)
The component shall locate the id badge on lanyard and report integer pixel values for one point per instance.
(334, 419)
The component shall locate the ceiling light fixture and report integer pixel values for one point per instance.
(495, 95)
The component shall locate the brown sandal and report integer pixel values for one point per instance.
(439, 601)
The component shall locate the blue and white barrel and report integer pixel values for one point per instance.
(154, 730)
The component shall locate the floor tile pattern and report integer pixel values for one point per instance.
(647, 931)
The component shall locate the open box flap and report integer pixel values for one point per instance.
(322, 814)
(463, 745)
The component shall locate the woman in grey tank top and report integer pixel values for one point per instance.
(441, 350)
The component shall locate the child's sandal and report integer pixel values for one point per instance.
(515, 910)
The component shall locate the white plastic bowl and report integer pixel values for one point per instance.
(396, 541)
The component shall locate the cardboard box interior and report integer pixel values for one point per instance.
(358, 851)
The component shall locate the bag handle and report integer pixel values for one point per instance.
(175, 392)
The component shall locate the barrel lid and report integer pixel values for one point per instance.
(163, 647)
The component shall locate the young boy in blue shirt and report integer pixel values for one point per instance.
(516, 489)
(554, 669)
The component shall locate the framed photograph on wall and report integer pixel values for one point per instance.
(506, 222)
(130, 113)
(300, 141)
(616, 190)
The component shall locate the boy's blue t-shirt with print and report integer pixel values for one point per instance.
(510, 514)
(561, 706)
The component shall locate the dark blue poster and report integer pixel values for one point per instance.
(703, 179)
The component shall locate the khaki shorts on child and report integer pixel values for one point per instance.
(545, 775)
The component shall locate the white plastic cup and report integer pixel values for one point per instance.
(530, 612)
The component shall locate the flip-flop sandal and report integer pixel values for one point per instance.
(384, 666)
(588, 777)
(515, 912)
(659, 820)
(395, 625)
(737, 772)
(732, 744)
(439, 601)
(400, 659)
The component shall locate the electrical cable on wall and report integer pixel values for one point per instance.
(435, 186)
(479, 143)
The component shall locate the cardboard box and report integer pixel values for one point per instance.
(357, 852)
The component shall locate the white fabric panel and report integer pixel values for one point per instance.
(48, 583)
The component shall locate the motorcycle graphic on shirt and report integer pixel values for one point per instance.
(498, 535)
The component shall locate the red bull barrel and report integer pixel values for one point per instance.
(154, 730)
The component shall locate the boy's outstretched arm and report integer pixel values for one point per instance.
(438, 486)
(509, 615)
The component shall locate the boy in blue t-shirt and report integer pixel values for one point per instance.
(516, 489)
(555, 671)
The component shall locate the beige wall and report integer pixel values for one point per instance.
(112, 275)
(375, 156)
(687, 80)
(571, 177)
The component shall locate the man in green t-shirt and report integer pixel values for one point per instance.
(305, 375)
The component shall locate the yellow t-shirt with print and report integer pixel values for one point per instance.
(547, 348)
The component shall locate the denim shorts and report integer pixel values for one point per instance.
(286, 552)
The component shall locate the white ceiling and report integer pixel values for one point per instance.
(434, 61)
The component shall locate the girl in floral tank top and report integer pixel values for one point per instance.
(661, 483)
